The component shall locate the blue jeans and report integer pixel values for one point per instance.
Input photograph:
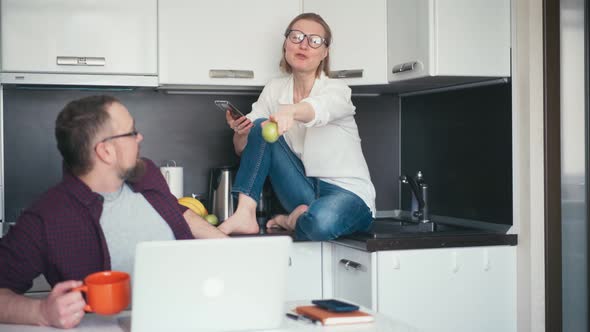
(332, 212)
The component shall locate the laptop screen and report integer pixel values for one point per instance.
(211, 285)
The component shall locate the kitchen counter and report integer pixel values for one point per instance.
(423, 241)
(401, 232)
(401, 241)
(396, 234)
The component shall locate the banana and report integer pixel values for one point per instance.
(194, 204)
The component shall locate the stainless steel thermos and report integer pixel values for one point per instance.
(221, 201)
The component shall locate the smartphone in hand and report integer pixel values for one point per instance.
(335, 305)
(225, 105)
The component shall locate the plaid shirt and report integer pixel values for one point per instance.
(60, 235)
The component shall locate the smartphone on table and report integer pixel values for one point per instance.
(335, 305)
(225, 105)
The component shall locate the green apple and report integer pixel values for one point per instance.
(270, 132)
(212, 219)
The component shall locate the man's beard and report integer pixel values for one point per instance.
(133, 174)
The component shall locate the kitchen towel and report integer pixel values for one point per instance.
(174, 178)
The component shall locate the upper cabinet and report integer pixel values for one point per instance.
(222, 42)
(358, 53)
(401, 45)
(107, 42)
(417, 44)
(469, 38)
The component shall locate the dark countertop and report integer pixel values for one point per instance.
(392, 234)
(424, 241)
(400, 232)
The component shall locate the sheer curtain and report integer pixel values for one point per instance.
(574, 168)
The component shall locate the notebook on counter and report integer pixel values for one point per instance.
(210, 285)
(334, 318)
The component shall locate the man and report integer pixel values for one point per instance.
(108, 201)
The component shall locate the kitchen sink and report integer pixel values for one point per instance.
(391, 227)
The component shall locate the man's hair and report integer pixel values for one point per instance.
(324, 64)
(76, 127)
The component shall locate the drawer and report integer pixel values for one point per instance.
(353, 275)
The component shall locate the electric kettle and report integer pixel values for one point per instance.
(221, 201)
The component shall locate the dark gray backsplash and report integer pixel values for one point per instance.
(186, 128)
(378, 119)
(462, 141)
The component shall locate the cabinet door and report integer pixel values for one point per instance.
(455, 289)
(82, 36)
(359, 38)
(222, 42)
(471, 38)
(352, 275)
(408, 36)
(304, 279)
(458, 38)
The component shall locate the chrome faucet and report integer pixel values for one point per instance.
(419, 191)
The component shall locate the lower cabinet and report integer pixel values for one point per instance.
(450, 289)
(304, 277)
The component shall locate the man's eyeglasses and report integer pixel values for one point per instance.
(314, 41)
(129, 134)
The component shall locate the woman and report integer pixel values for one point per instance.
(316, 168)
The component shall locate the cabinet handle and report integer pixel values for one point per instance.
(486, 260)
(348, 264)
(454, 262)
(81, 61)
(230, 73)
(349, 73)
(403, 67)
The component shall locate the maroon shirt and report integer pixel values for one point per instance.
(60, 236)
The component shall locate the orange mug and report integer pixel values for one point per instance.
(107, 292)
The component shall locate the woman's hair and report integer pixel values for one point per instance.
(325, 64)
(76, 127)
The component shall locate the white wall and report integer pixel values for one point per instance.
(528, 162)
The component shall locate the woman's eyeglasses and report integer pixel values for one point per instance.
(296, 37)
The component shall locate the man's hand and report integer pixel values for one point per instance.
(63, 308)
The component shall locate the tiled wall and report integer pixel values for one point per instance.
(462, 141)
(186, 128)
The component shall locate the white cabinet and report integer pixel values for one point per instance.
(222, 42)
(107, 37)
(358, 53)
(304, 277)
(451, 289)
(458, 38)
(417, 44)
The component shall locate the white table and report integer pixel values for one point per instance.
(122, 323)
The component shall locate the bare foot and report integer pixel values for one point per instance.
(278, 221)
(243, 221)
(287, 222)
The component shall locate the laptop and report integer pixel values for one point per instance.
(234, 284)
